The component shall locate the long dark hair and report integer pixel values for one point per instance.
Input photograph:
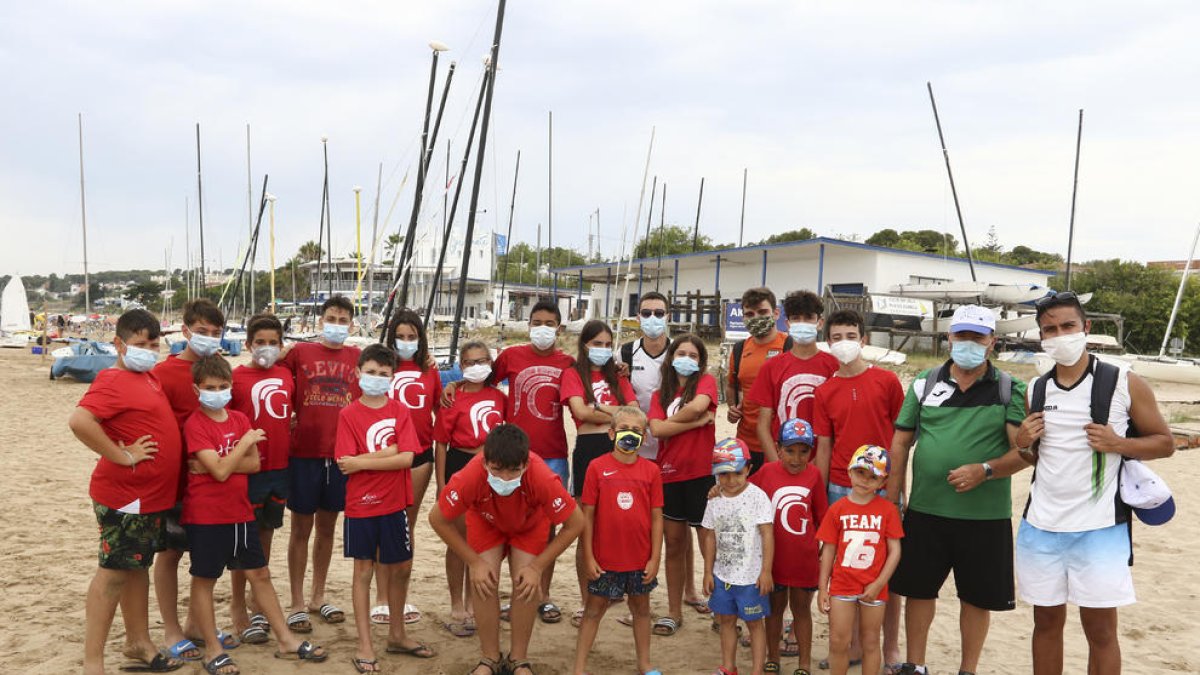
(670, 379)
(410, 318)
(584, 367)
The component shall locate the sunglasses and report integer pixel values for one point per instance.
(1057, 298)
(647, 313)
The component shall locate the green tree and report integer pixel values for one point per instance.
(391, 244)
(1142, 295)
(147, 293)
(309, 251)
(670, 240)
(791, 235)
(887, 237)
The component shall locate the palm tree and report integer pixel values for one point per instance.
(309, 251)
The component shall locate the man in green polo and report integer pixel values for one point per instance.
(963, 416)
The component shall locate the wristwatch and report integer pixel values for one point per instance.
(987, 471)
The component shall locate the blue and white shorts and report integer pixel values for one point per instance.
(1086, 569)
(743, 601)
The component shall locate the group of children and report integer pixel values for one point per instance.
(194, 456)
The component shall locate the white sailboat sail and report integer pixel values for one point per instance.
(14, 308)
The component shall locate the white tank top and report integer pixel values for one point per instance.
(646, 377)
(1075, 488)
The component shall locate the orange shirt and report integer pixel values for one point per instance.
(754, 355)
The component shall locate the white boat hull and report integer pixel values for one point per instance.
(952, 291)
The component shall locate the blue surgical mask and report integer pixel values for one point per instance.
(406, 349)
(335, 333)
(503, 487)
(654, 326)
(968, 355)
(685, 366)
(139, 360)
(203, 345)
(599, 355)
(374, 385)
(803, 333)
(215, 400)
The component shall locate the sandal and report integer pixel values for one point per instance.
(701, 606)
(550, 613)
(722, 671)
(514, 666)
(800, 671)
(505, 613)
(162, 662)
(298, 622)
(459, 629)
(255, 635)
(771, 667)
(494, 666)
(420, 650)
(823, 664)
(184, 650)
(331, 613)
(667, 626)
(307, 651)
(365, 665)
(220, 666)
(577, 618)
(260, 620)
(411, 614)
(381, 615)
(227, 641)
(893, 668)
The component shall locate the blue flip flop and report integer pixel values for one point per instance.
(177, 650)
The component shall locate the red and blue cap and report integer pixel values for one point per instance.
(730, 455)
(795, 431)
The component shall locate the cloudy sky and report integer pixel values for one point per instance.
(824, 103)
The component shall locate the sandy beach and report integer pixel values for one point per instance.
(51, 555)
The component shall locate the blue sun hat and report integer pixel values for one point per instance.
(1146, 493)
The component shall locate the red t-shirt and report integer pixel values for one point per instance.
(860, 533)
(624, 495)
(265, 396)
(175, 374)
(855, 411)
(540, 497)
(534, 403)
(466, 423)
(754, 356)
(800, 504)
(361, 430)
(207, 500)
(131, 405)
(571, 385)
(419, 392)
(785, 384)
(326, 382)
(687, 455)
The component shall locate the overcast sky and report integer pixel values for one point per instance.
(824, 103)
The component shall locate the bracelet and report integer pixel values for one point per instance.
(130, 456)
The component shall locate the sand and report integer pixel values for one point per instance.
(50, 556)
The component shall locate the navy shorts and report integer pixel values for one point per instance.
(616, 585)
(384, 538)
(174, 537)
(217, 547)
(744, 601)
(315, 483)
(268, 492)
(587, 448)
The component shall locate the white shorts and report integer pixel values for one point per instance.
(1086, 569)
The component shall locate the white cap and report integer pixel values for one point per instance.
(1146, 493)
(973, 318)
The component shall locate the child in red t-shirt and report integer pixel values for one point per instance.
(462, 428)
(681, 417)
(622, 544)
(217, 516)
(126, 419)
(798, 497)
(375, 446)
(262, 391)
(862, 536)
(510, 499)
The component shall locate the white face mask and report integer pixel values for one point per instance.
(846, 351)
(477, 373)
(542, 337)
(1066, 350)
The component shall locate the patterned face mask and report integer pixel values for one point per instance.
(760, 326)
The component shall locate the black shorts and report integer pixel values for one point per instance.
(386, 538)
(173, 535)
(423, 457)
(686, 499)
(757, 459)
(268, 492)
(315, 484)
(456, 460)
(217, 547)
(979, 552)
(587, 448)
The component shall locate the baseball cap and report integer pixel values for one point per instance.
(795, 431)
(1146, 493)
(872, 458)
(729, 455)
(973, 318)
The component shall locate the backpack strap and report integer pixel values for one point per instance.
(1104, 385)
(1005, 384)
(627, 354)
(737, 368)
(932, 377)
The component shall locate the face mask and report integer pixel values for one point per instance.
(542, 337)
(477, 373)
(374, 385)
(405, 349)
(265, 356)
(215, 400)
(804, 333)
(335, 334)
(203, 345)
(139, 360)
(503, 487)
(968, 355)
(628, 441)
(846, 351)
(760, 326)
(599, 355)
(1066, 350)
(685, 366)
(653, 327)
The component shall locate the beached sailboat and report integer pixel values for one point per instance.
(15, 326)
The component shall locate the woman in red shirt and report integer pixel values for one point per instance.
(681, 417)
(462, 428)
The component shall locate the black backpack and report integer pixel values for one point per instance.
(737, 362)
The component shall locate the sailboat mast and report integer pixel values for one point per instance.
(1179, 294)
(549, 201)
(512, 208)
(374, 243)
(200, 203)
(1074, 191)
(187, 245)
(87, 281)
(953, 191)
(250, 222)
